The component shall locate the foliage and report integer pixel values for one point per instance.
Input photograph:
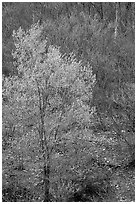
(52, 92)
(65, 82)
(24, 14)
(51, 96)
(112, 60)
(92, 41)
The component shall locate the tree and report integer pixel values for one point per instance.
(53, 91)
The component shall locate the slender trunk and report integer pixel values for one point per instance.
(46, 168)
(117, 21)
(46, 172)
(101, 11)
(44, 146)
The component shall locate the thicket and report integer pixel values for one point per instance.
(68, 100)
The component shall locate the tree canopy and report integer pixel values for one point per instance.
(68, 101)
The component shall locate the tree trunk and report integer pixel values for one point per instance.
(44, 144)
(46, 172)
(46, 169)
(118, 18)
(101, 11)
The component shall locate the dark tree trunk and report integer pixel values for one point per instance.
(46, 172)
(101, 11)
(46, 183)
(44, 143)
